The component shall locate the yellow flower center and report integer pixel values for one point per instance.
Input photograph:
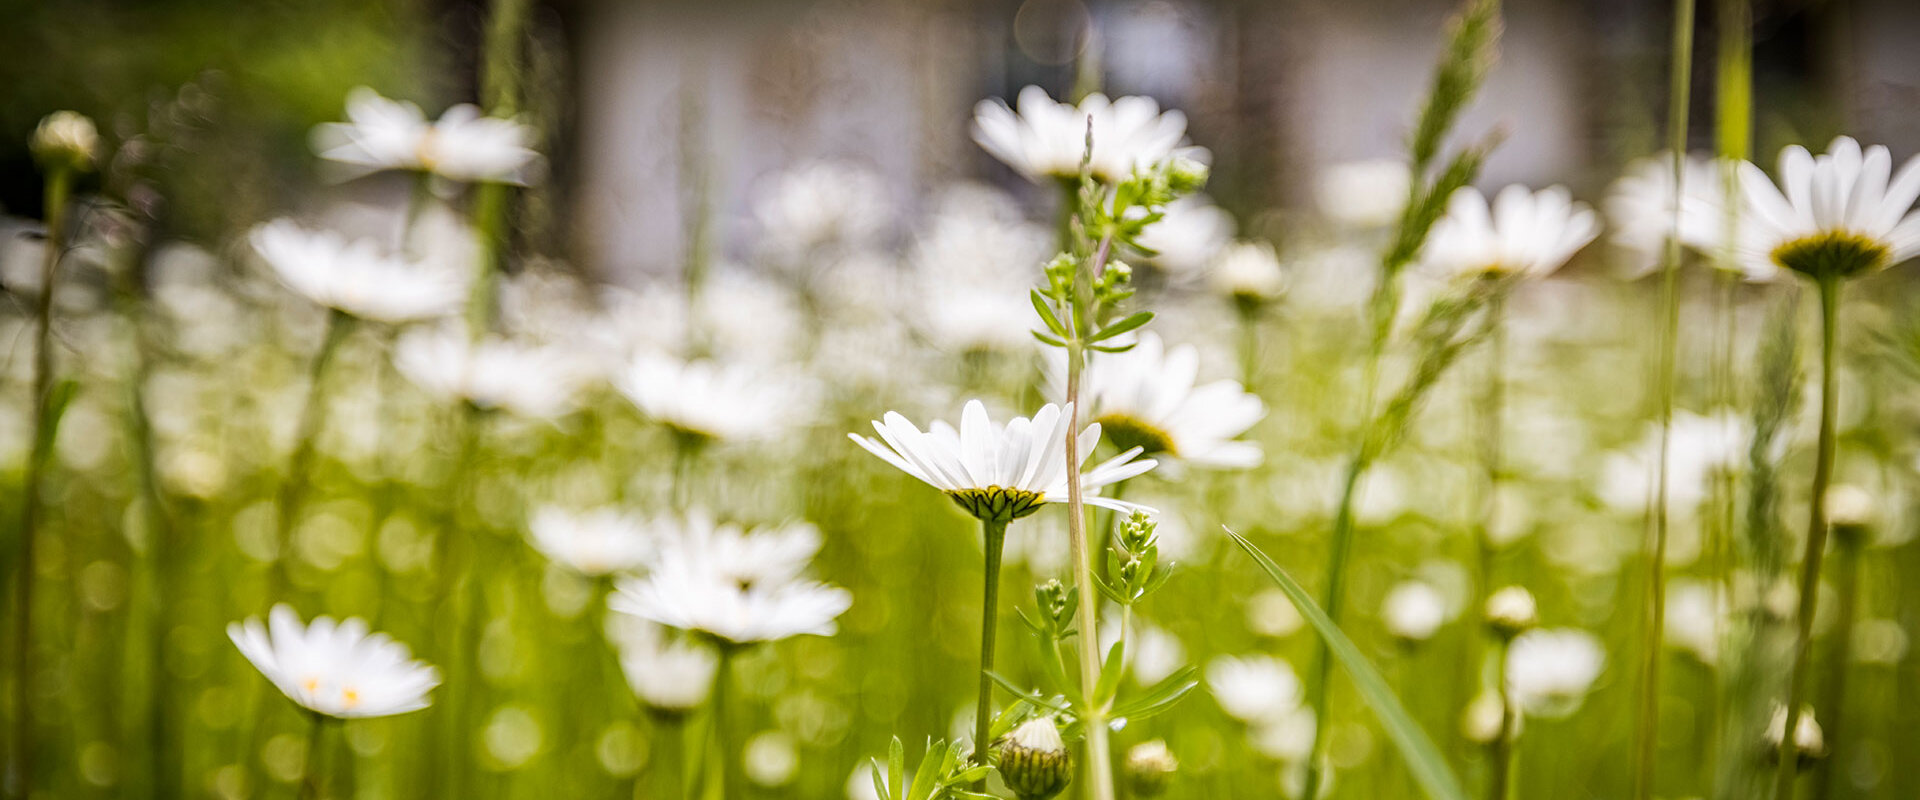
(1127, 432)
(1832, 254)
(349, 697)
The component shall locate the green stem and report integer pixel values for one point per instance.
(313, 415)
(1099, 752)
(995, 535)
(1816, 538)
(722, 765)
(1501, 750)
(1647, 740)
(310, 782)
(19, 784)
(1833, 696)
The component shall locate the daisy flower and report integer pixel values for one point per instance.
(703, 585)
(1190, 237)
(1364, 194)
(1550, 670)
(463, 145)
(355, 277)
(1522, 233)
(674, 677)
(712, 401)
(822, 204)
(338, 670)
(1254, 689)
(1250, 273)
(599, 541)
(1413, 611)
(491, 373)
(1834, 215)
(995, 472)
(1146, 398)
(1640, 206)
(1048, 138)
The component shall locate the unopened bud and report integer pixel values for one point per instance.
(1149, 768)
(1851, 511)
(1034, 761)
(1185, 173)
(1511, 612)
(1809, 742)
(65, 140)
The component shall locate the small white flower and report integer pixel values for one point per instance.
(1512, 610)
(1699, 447)
(1190, 237)
(825, 203)
(66, 138)
(339, 670)
(1146, 397)
(714, 401)
(492, 373)
(1695, 617)
(1256, 688)
(997, 472)
(1250, 272)
(1364, 194)
(1808, 738)
(734, 587)
(1841, 213)
(1048, 138)
(1549, 670)
(1521, 233)
(382, 134)
(666, 675)
(1640, 206)
(599, 541)
(355, 277)
(1413, 610)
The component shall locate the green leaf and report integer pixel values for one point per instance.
(1138, 319)
(1110, 672)
(1160, 697)
(1423, 759)
(1114, 348)
(1026, 695)
(896, 766)
(1046, 313)
(879, 782)
(1046, 339)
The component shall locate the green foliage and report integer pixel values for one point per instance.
(943, 773)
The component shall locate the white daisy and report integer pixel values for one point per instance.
(1250, 273)
(1256, 688)
(760, 554)
(1640, 206)
(1000, 473)
(339, 670)
(1190, 237)
(703, 585)
(1364, 194)
(1840, 214)
(1048, 138)
(1550, 670)
(670, 676)
(1522, 233)
(1413, 611)
(492, 373)
(598, 541)
(825, 203)
(1699, 447)
(1146, 398)
(382, 134)
(1695, 617)
(714, 401)
(355, 277)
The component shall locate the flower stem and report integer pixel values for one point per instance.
(1099, 753)
(1833, 695)
(1647, 740)
(316, 765)
(1816, 538)
(720, 766)
(19, 779)
(1501, 749)
(313, 415)
(995, 534)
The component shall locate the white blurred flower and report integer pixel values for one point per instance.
(1695, 615)
(1190, 237)
(382, 134)
(671, 676)
(1364, 194)
(712, 401)
(1048, 138)
(1808, 738)
(1145, 397)
(705, 582)
(66, 138)
(1256, 688)
(824, 203)
(1413, 610)
(1249, 272)
(355, 277)
(492, 373)
(1511, 610)
(1152, 653)
(1843, 212)
(1699, 448)
(1521, 233)
(339, 670)
(1288, 737)
(597, 541)
(997, 472)
(1550, 670)
(1640, 207)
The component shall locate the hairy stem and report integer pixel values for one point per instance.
(1099, 754)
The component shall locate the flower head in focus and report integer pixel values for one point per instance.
(337, 670)
(463, 145)
(1839, 214)
(1000, 472)
(1047, 138)
(599, 541)
(1146, 398)
(355, 277)
(1521, 233)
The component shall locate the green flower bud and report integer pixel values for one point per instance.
(65, 140)
(1034, 761)
(1149, 768)
(1511, 612)
(1186, 175)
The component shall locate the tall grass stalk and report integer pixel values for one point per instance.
(1100, 785)
(1679, 92)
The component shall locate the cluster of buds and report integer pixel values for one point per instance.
(1133, 561)
(1056, 604)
